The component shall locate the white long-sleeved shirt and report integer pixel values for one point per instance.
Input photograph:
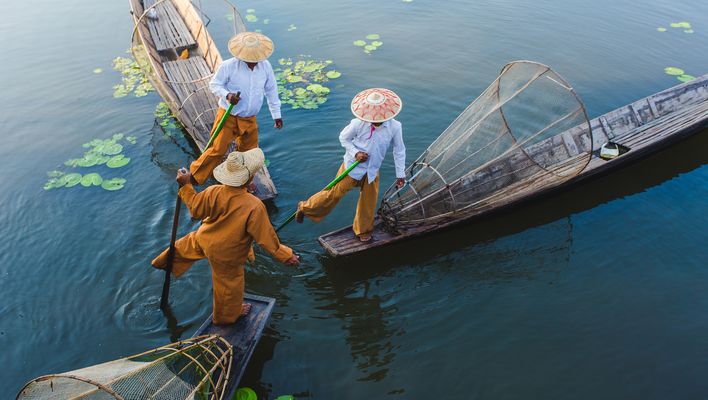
(357, 136)
(234, 76)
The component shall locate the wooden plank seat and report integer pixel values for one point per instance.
(168, 31)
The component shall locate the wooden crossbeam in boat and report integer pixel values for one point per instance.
(168, 30)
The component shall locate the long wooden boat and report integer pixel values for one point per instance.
(645, 127)
(165, 372)
(243, 336)
(167, 31)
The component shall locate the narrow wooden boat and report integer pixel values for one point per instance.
(207, 366)
(640, 128)
(243, 336)
(167, 31)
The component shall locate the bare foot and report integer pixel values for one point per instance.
(365, 238)
(245, 309)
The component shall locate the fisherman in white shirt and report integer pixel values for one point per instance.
(242, 81)
(366, 139)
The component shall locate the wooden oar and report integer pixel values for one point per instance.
(330, 186)
(164, 301)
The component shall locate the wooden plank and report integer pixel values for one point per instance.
(243, 336)
(636, 115)
(606, 128)
(652, 107)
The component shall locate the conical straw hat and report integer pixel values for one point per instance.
(239, 167)
(251, 46)
(376, 105)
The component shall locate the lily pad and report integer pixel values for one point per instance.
(373, 36)
(674, 71)
(369, 47)
(118, 161)
(245, 393)
(92, 179)
(118, 136)
(288, 396)
(685, 78)
(131, 139)
(294, 78)
(113, 184)
(54, 174)
(376, 43)
(333, 74)
(266, 21)
(688, 31)
(292, 27)
(359, 43)
(72, 179)
(661, 29)
(251, 18)
(110, 148)
(98, 70)
(250, 11)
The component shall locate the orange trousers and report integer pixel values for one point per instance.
(321, 204)
(243, 130)
(228, 280)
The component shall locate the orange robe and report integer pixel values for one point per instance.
(243, 130)
(232, 219)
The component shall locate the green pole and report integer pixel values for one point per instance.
(328, 187)
(164, 300)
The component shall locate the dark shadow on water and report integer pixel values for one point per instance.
(176, 330)
(635, 178)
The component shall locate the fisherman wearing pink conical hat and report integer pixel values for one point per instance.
(242, 81)
(366, 139)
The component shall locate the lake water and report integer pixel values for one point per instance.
(601, 292)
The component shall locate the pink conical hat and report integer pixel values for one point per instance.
(376, 105)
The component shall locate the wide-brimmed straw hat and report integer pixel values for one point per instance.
(376, 105)
(251, 46)
(239, 167)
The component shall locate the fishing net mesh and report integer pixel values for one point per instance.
(527, 131)
(196, 368)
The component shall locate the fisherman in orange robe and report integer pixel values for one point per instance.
(232, 219)
(242, 81)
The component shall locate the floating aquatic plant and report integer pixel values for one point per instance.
(661, 29)
(292, 27)
(674, 71)
(685, 78)
(688, 31)
(266, 21)
(100, 152)
(683, 24)
(301, 81)
(369, 47)
(169, 124)
(98, 70)
(133, 78)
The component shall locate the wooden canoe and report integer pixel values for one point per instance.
(645, 126)
(163, 30)
(243, 336)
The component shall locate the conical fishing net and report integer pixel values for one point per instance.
(527, 131)
(196, 368)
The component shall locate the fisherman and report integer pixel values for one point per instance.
(232, 219)
(366, 139)
(242, 81)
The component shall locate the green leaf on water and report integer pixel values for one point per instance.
(110, 148)
(359, 43)
(287, 396)
(369, 47)
(661, 29)
(118, 161)
(674, 71)
(113, 184)
(373, 36)
(688, 31)
(230, 17)
(685, 78)
(333, 74)
(131, 139)
(294, 78)
(376, 43)
(250, 11)
(54, 174)
(98, 70)
(266, 21)
(92, 179)
(118, 136)
(72, 179)
(251, 18)
(292, 27)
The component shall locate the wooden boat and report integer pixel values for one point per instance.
(243, 336)
(643, 127)
(208, 365)
(163, 31)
